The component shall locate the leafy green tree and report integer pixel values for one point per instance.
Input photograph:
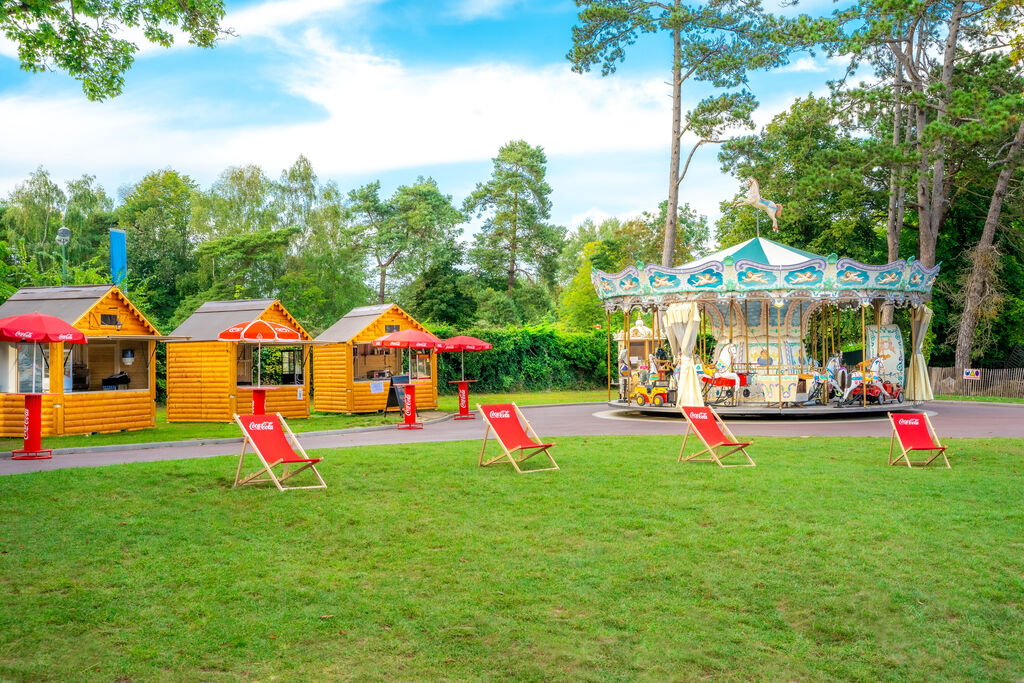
(81, 37)
(444, 293)
(718, 43)
(515, 239)
(325, 274)
(89, 215)
(242, 199)
(156, 216)
(402, 234)
(579, 308)
(33, 216)
(824, 174)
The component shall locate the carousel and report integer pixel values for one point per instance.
(756, 328)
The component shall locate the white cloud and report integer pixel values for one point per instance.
(804, 64)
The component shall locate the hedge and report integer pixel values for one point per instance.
(527, 359)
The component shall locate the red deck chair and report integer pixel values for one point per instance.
(504, 419)
(272, 441)
(914, 432)
(714, 434)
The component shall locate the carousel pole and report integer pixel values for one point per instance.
(821, 329)
(802, 350)
(863, 356)
(746, 338)
(608, 334)
(778, 321)
(629, 360)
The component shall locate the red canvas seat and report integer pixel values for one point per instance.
(504, 420)
(914, 432)
(715, 436)
(274, 444)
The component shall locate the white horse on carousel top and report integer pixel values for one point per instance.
(755, 200)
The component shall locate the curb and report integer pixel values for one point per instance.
(111, 448)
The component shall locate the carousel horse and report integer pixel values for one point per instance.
(871, 377)
(755, 200)
(831, 376)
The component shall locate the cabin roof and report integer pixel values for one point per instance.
(354, 322)
(214, 317)
(68, 303)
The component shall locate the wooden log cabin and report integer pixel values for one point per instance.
(209, 380)
(106, 385)
(351, 375)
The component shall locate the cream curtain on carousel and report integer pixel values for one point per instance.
(682, 323)
(919, 385)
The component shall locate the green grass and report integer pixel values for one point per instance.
(981, 399)
(822, 563)
(181, 431)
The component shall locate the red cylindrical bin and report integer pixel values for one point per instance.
(259, 401)
(33, 449)
(410, 409)
(464, 413)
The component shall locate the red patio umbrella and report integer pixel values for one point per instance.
(38, 327)
(259, 331)
(463, 343)
(407, 339)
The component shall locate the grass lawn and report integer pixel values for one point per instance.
(819, 564)
(180, 431)
(982, 399)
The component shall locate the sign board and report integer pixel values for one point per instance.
(63, 236)
(396, 397)
(970, 373)
(298, 393)
(376, 387)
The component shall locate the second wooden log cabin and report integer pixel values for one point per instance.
(209, 380)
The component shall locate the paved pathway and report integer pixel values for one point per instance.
(952, 420)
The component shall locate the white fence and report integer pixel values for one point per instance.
(1003, 382)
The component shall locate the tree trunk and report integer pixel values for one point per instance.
(937, 198)
(669, 247)
(981, 271)
(895, 219)
(380, 291)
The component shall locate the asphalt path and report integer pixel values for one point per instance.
(951, 419)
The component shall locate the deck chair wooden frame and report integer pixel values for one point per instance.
(525, 452)
(713, 450)
(905, 451)
(268, 467)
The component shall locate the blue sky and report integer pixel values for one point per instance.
(388, 90)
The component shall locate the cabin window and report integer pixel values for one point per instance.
(388, 329)
(371, 362)
(108, 319)
(269, 365)
(16, 373)
(421, 366)
(109, 366)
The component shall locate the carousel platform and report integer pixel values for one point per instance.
(788, 412)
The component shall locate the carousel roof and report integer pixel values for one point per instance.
(760, 268)
(760, 250)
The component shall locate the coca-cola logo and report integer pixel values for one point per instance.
(22, 334)
(913, 421)
(501, 414)
(267, 426)
(64, 337)
(703, 415)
